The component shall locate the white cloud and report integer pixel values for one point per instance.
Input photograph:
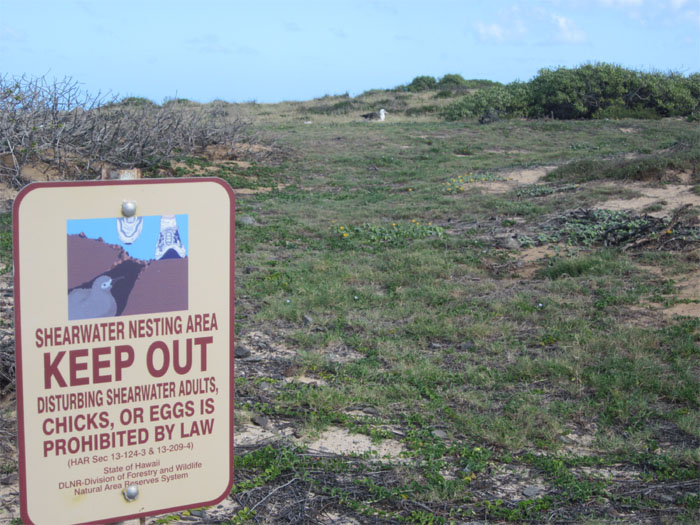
(490, 32)
(567, 31)
(509, 27)
(678, 4)
(622, 3)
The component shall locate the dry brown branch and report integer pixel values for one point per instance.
(58, 126)
(658, 234)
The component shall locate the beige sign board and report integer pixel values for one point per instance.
(124, 295)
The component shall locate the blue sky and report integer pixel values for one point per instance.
(274, 50)
(144, 247)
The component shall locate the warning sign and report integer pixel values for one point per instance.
(124, 295)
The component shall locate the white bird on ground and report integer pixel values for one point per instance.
(375, 115)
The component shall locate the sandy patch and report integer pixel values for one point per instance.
(263, 347)
(616, 473)
(685, 177)
(250, 150)
(528, 176)
(511, 481)
(41, 172)
(269, 356)
(531, 260)
(221, 152)
(249, 191)
(249, 434)
(685, 310)
(513, 179)
(341, 441)
(355, 413)
(644, 315)
(668, 197)
(579, 441)
(199, 170)
(688, 290)
(331, 518)
(628, 130)
(339, 352)
(507, 151)
(536, 253)
(306, 380)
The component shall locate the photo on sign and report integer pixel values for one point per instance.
(127, 266)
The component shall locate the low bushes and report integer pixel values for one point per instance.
(590, 91)
(447, 84)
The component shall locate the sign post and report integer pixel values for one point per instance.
(124, 310)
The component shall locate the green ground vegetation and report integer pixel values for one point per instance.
(478, 370)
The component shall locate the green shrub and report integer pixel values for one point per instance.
(577, 93)
(480, 83)
(669, 94)
(597, 90)
(593, 89)
(422, 83)
(179, 102)
(337, 108)
(510, 100)
(137, 102)
(452, 82)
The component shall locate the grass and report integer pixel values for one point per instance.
(5, 242)
(391, 264)
(389, 291)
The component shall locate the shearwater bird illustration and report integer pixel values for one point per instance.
(97, 301)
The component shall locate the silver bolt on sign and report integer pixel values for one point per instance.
(131, 493)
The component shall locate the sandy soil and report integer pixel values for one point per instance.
(249, 191)
(532, 259)
(670, 197)
(513, 179)
(341, 441)
(201, 171)
(688, 290)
